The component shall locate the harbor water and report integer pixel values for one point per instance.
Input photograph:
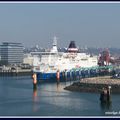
(17, 98)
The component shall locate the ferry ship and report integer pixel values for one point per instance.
(48, 63)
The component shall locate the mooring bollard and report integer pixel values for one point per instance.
(34, 76)
(105, 95)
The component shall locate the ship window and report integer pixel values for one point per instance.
(83, 59)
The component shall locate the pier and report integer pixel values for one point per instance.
(20, 72)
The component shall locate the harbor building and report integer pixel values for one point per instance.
(11, 53)
(28, 59)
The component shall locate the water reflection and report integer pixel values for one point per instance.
(106, 105)
(59, 87)
(34, 95)
(35, 99)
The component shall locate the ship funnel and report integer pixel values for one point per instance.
(72, 47)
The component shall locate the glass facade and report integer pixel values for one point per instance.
(11, 53)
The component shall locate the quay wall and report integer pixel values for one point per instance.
(16, 73)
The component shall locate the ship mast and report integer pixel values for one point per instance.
(55, 41)
(53, 50)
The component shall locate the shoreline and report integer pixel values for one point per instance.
(95, 85)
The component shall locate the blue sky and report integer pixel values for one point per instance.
(88, 24)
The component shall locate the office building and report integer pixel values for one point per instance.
(11, 53)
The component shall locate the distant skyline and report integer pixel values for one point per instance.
(88, 24)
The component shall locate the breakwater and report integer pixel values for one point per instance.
(95, 85)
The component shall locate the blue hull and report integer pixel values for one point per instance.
(46, 76)
(71, 75)
(50, 77)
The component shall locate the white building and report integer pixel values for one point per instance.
(28, 59)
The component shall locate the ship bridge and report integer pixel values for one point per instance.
(54, 48)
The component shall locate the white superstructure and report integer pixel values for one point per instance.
(52, 61)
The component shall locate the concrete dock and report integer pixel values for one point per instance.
(95, 84)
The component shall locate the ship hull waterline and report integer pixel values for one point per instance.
(64, 77)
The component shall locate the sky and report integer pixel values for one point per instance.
(88, 24)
